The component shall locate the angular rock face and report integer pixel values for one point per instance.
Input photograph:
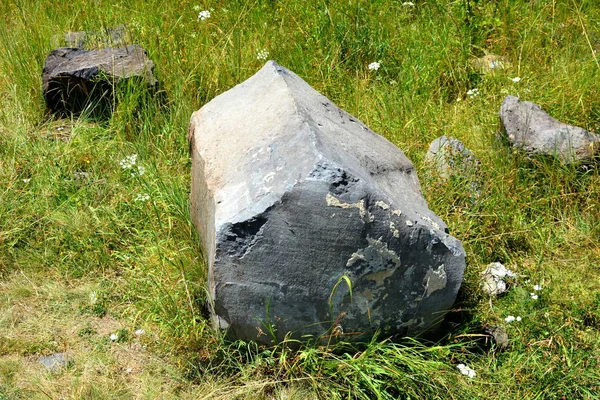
(531, 129)
(73, 78)
(296, 200)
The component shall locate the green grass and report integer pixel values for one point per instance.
(81, 259)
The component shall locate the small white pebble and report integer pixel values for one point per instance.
(516, 79)
(534, 296)
(139, 332)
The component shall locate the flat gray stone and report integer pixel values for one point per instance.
(73, 79)
(56, 362)
(294, 199)
(531, 129)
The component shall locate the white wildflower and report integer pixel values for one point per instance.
(139, 172)
(128, 162)
(509, 319)
(129, 370)
(537, 288)
(534, 296)
(196, 8)
(139, 332)
(114, 337)
(374, 66)
(27, 180)
(142, 197)
(262, 55)
(519, 319)
(203, 15)
(466, 370)
(473, 93)
(408, 4)
(516, 79)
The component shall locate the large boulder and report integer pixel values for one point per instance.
(74, 80)
(311, 223)
(531, 129)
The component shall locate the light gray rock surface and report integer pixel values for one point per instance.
(493, 278)
(56, 362)
(449, 157)
(74, 78)
(531, 129)
(294, 198)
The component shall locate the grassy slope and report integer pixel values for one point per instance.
(80, 259)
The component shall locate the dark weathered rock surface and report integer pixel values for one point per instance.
(450, 157)
(74, 79)
(294, 199)
(531, 129)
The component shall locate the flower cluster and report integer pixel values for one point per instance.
(129, 163)
(142, 197)
(512, 318)
(516, 79)
(374, 66)
(473, 93)
(466, 370)
(262, 55)
(534, 295)
(203, 15)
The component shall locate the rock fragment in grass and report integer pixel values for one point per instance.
(56, 362)
(490, 63)
(498, 336)
(76, 80)
(449, 157)
(493, 277)
(532, 130)
(302, 211)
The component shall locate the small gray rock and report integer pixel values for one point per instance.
(72, 78)
(531, 129)
(498, 336)
(311, 223)
(450, 157)
(56, 362)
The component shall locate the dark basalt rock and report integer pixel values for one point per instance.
(75, 80)
(311, 223)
